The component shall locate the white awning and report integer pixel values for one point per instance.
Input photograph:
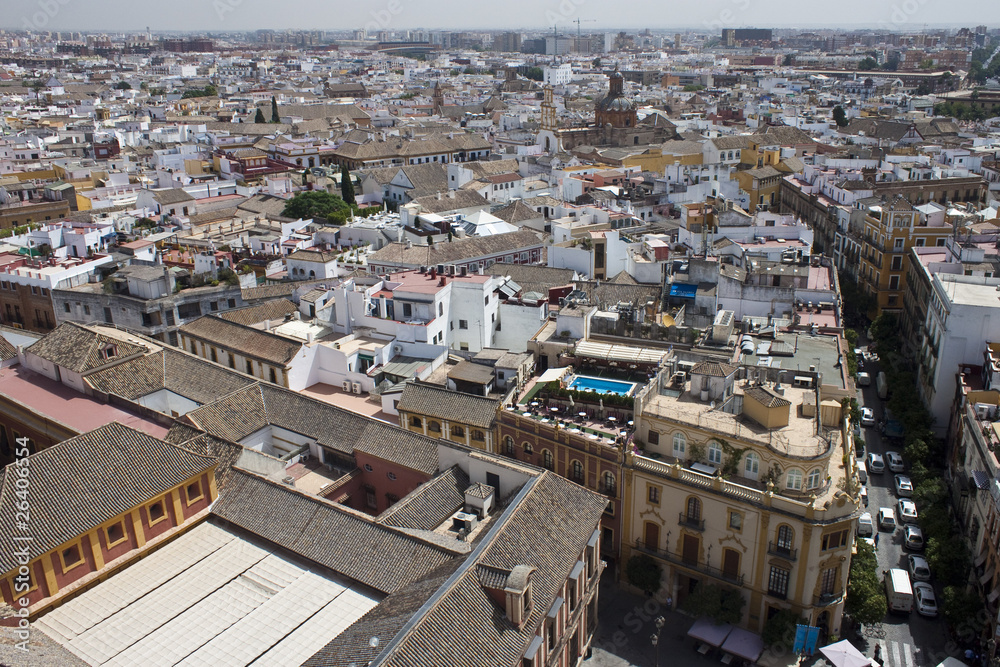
(553, 374)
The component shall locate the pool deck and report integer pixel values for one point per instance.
(631, 385)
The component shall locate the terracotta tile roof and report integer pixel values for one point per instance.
(431, 401)
(248, 341)
(394, 254)
(274, 309)
(766, 398)
(713, 369)
(87, 480)
(79, 349)
(171, 196)
(431, 503)
(348, 542)
(516, 212)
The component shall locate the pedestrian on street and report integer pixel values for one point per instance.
(876, 540)
(670, 602)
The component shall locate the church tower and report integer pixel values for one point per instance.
(438, 98)
(548, 110)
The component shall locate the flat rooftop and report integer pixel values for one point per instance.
(66, 406)
(209, 597)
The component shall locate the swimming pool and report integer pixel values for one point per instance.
(601, 385)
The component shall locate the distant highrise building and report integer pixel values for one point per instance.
(508, 42)
(677, 41)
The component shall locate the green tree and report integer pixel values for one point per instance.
(259, 118)
(865, 599)
(926, 63)
(317, 204)
(948, 558)
(275, 118)
(722, 605)
(430, 240)
(123, 85)
(211, 90)
(960, 605)
(867, 64)
(644, 573)
(839, 116)
(347, 186)
(779, 630)
(788, 60)
(534, 73)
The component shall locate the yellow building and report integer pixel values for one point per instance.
(743, 484)
(760, 172)
(891, 228)
(440, 413)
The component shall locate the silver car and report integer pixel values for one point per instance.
(926, 602)
(904, 487)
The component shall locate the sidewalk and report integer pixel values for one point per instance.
(625, 628)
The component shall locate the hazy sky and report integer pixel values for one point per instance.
(225, 15)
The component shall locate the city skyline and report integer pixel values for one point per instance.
(221, 16)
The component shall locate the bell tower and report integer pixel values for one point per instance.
(548, 110)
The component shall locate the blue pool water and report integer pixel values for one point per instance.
(601, 386)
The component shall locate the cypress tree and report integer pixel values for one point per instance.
(347, 186)
(275, 118)
(259, 118)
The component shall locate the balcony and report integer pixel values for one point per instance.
(677, 559)
(691, 522)
(826, 599)
(782, 552)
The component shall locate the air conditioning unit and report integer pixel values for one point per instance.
(347, 385)
(357, 388)
(464, 521)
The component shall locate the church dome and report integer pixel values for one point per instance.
(615, 103)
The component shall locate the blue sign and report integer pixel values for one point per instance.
(806, 638)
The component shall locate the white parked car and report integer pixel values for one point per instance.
(919, 569)
(875, 464)
(907, 510)
(886, 519)
(866, 527)
(913, 538)
(904, 487)
(926, 602)
(867, 417)
(895, 461)
(864, 379)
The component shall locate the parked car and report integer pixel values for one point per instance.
(864, 495)
(886, 519)
(904, 487)
(913, 538)
(926, 602)
(867, 417)
(866, 527)
(895, 461)
(919, 569)
(864, 379)
(907, 510)
(876, 465)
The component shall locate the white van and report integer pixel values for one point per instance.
(862, 471)
(898, 591)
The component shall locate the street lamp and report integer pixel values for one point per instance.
(655, 639)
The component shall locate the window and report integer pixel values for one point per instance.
(458, 431)
(577, 471)
(828, 581)
(653, 438)
(528, 449)
(477, 435)
(547, 461)
(940, 243)
(463, 324)
(70, 557)
(693, 509)
(735, 521)
(368, 467)
(193, 491)
(433, 426)
(608, 483)
(416, 422)
(794, 480)
(653, 494)
(715, 453)
(391, 476)
(156, 512)
(272, 376)
(66, 307)
(897, 263)
(812, 480)
(115, 533)
(751, 466)
(232, 361)
(194, 347)
(508, 446)
(785, 539)
(777, 584)
(897, 244)
(894, 282)
(249, 367)
(370, 499)
(920, 242)
(214, 356)
(680, 444)
(834, 540)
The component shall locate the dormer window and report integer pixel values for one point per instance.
(109, 351)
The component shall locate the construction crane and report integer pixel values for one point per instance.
(578, 21)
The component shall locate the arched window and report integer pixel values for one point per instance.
(608, 483)
(433, 426)
(751, 466)
(680, 444)
(577, 471)
(477, 435)
(547, 461)
(794, 480)
(785, 539)
(693, 509)
(508, 446)
(715, 453)
(527, 448)
(458, 431)
(812, 480)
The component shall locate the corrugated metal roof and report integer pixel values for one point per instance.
(624, 353)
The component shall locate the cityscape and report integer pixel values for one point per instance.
(328, 339)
